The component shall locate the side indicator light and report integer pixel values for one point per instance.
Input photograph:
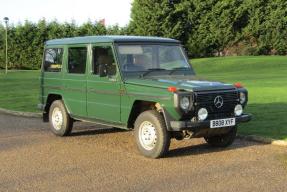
(238, 85)
(172, 89)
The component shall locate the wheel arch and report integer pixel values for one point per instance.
(50, 99)
(140, 106)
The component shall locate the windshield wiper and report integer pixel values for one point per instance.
(152, 70)
(178, 69)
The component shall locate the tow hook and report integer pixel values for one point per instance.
(187, 134)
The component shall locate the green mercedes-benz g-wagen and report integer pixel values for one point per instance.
(140, 83)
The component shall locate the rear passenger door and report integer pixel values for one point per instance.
(75, 85)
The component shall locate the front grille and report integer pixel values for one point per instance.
(206, 99)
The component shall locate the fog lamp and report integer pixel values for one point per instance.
(202, 114)
(238, 110)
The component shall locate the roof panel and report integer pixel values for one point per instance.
(106, 39)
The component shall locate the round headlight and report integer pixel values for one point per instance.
(238, 110)
(242, 97)
(202, 114)
(184, 103)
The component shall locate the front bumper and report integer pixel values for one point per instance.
(196, 126)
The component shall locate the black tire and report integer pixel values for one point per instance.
(222, 140)
(162, 141)
(67, 122)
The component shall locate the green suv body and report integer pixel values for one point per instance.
(140, 83)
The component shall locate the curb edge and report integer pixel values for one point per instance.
(20, 113)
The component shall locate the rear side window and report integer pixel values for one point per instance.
(77, 57)
(53, 60)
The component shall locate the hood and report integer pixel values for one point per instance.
(188, 83)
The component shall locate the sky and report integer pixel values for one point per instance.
(113, 11)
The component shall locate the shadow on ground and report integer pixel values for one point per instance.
(82, 129)
(179, 149)
(204, 148)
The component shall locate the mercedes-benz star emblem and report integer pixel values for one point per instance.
(218, 102)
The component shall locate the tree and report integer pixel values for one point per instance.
(214, 27)
(26, 41)
(206, 28)
(2, 48)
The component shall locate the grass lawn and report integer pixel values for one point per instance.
(19, 90)
(265, 77)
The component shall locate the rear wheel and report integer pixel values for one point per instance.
(152, 137)
(60, 122)
(222, 140)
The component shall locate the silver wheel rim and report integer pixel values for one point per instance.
(147, 135)
(57, 118)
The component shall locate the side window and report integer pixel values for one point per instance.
(53, 60)
(103, 55)
(77, 57)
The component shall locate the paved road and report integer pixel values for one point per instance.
(97, 159)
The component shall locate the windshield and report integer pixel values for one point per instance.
(153, 60)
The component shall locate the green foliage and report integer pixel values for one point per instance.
(159, 18)
(2, 46)
(26, 41)
(206, 28)
(216, 27)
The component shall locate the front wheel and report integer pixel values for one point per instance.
(152, 137)
(222, 140)
(60, 122)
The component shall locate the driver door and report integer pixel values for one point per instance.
(103, 92)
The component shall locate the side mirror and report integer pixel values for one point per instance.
(185, 52)
(103, 70)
